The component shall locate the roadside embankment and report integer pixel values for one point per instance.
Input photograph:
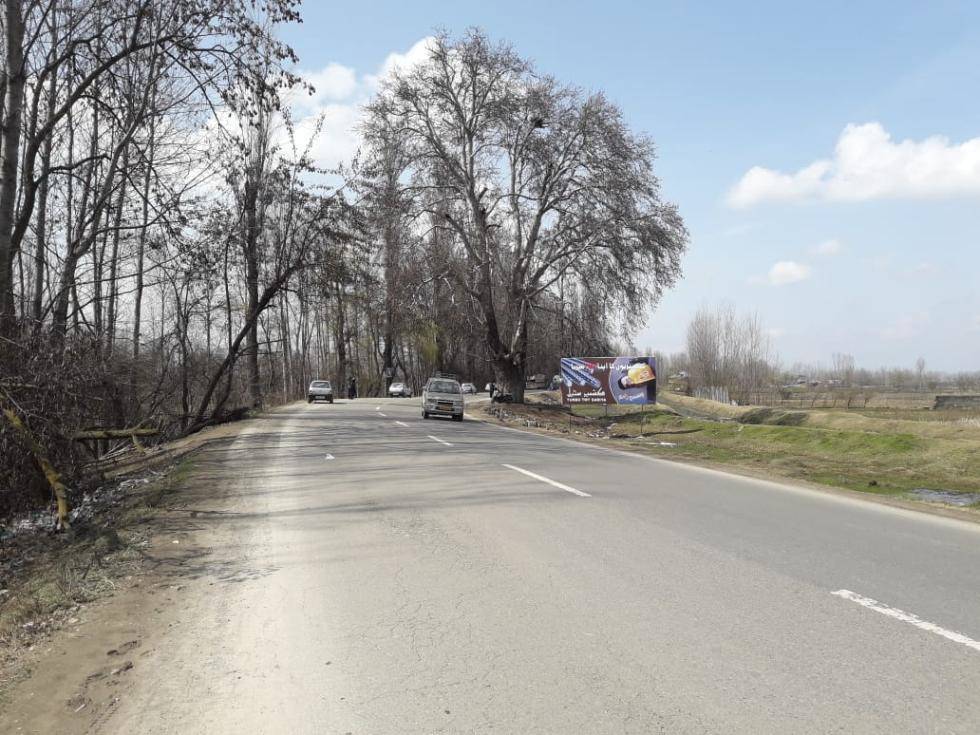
(53, 583)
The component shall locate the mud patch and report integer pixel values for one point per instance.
(948, 497)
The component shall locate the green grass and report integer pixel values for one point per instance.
(951, 415)
(600, 412)
(874, 450)
(880, 462)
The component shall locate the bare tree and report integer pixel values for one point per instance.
(386, 206)
(103, 103)
(729, 350)
(843, 368)
(537, 182)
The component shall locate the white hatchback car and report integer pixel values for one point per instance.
(320, 390)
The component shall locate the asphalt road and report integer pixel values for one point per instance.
(377, 573)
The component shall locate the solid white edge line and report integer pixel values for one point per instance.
(437, 439)
(905, 617)
(566, 488)
(401, 423)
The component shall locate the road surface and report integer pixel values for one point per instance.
(376, 573)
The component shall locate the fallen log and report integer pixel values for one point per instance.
(41, 457)
(93, 434)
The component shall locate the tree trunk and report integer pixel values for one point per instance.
(250, 247)
(10, 138)
(114, 262)
(510, 378)
(391, 285)
(66, 283)
(59, 315)
(98, 263)
(144, 223)
(41, 246)
(233, 350)
(340, 340)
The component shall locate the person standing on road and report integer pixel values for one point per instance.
(352, 389)
(493, 389)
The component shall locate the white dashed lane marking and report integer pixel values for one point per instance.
(541, 478)
(906, 617)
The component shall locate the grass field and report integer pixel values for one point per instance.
(881, 451)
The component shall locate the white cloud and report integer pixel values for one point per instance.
(882, 262)
(403, 62)
(788, 271)
(333, 82)
(906, 327)
(868, 164)
(922, 269)
(337, 139)
(827, 248)
(337, 105)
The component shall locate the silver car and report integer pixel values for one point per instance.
(320, 390)
(399, 390)
(442, 397)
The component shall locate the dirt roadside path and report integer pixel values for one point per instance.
(72, 680)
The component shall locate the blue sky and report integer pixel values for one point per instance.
(874, 249)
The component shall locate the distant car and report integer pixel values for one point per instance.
(399, 390)
(442, 397)
(320, 390)
(468, 388)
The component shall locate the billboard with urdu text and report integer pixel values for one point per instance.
(608, 380)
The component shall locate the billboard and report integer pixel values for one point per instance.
(608, 380)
